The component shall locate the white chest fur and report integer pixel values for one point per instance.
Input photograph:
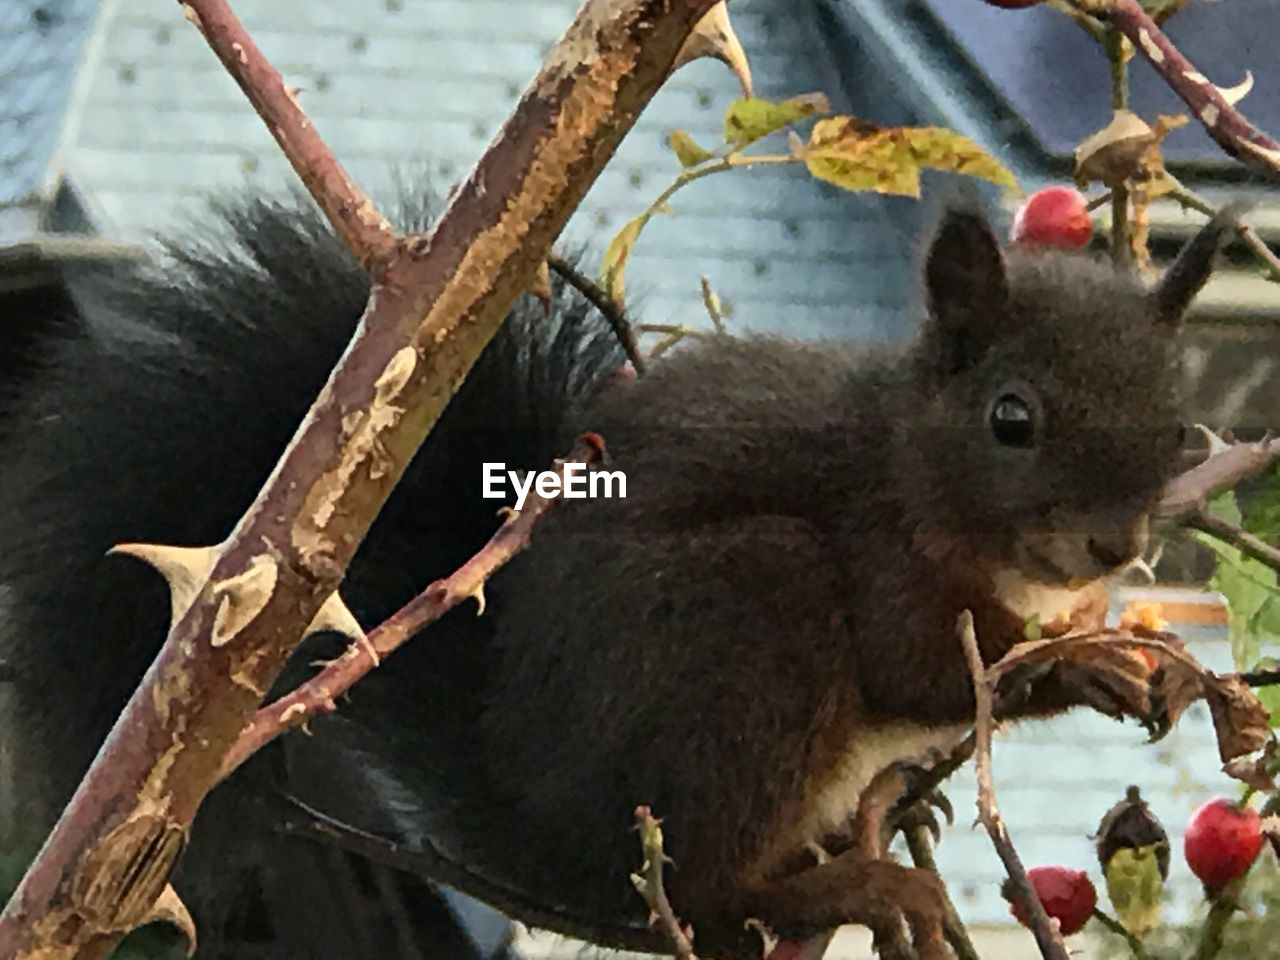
(1028, 598)
(874, 749)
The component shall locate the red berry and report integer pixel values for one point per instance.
(1011, 4)
(1054, 216)
(1222, 841)
(1066, 895)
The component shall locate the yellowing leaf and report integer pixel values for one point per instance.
(617, 253)
(686, 149)
(749, 120)
(857, 155)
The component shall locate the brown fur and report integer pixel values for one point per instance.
(781, 585)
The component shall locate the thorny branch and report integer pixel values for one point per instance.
(1045, 931)
(318, 696)
(437, 301)
(650, 885)
(362, 228)
(1224, 123)
(1219, 472)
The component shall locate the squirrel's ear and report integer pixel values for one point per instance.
(966, 285)
(1190, 271)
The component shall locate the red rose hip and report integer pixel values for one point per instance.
(1066, 895)
(1053, 217)
(1222, 841)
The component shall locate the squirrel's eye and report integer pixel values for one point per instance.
(1011, 422)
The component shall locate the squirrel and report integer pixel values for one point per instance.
(764, 623)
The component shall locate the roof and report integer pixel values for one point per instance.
(1054, 76)
(41, 42)
(425, 85)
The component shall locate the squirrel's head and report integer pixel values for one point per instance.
(1047, 416)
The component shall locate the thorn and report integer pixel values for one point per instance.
(1234, 95)
(185, 569)
(1216, 443)
(714, 37)
(242, 597)
(170, 909)
(335, 615)
(478, 594)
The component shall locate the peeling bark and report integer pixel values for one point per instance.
(437, 300)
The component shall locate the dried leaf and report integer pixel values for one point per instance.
(1149, 616)
(1147, 674)
(1121, 149)
(686, 149)
(752, 119)
(616, 255)
(1241, 722)
(857, 155)
(1257, 771)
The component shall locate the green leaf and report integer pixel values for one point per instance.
(617, 254)
(1262, 518)
(686, 149)
(1031, 629)
(1270, 697)
(1251, 589)
(857, 155)
(752, 119)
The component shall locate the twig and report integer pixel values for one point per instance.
(1048, 938)
(1241, 539)
(1222, 906)
(1270, 262)
(430, 864)
(920, 846)
(650, 885)
(609, 308)
(317, 696)
(672, 333)
(712, 303)
(1186, 493)
(1261, 678)
(1117, 57)
(1115, 926)
(351, 212)
(1224, 123)
(1083, 20)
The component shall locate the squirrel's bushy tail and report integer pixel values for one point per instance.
(159, 418)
